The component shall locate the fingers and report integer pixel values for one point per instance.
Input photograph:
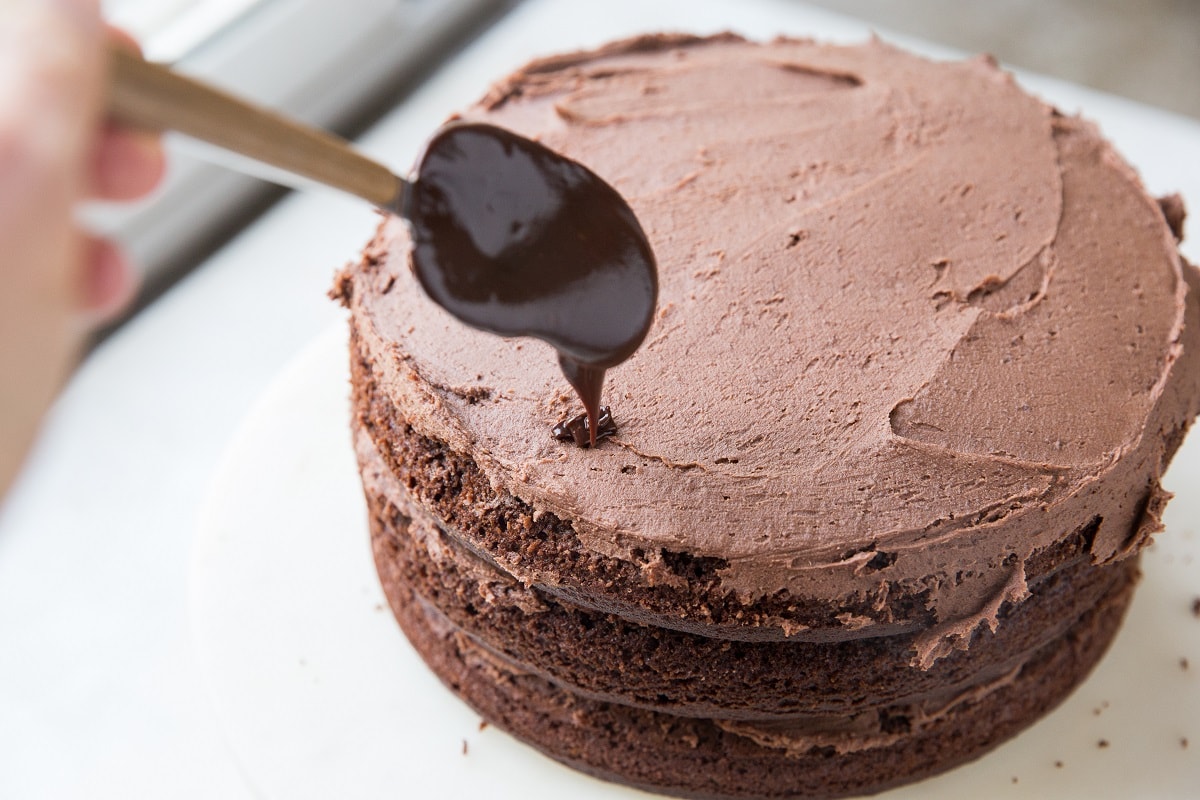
(126, 163)
(51, 99)
(107, 283)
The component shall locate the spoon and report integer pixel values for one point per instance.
(508, 236)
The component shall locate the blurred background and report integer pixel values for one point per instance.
(1147, 50)
(341, 65)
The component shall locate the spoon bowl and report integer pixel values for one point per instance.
(515, 239)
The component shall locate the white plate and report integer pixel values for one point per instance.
(322, 697)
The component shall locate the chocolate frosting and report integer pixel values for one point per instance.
(914, 325)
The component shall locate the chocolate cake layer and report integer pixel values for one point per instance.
(882, 468)
(710, 759)
(605, 657)
(546, 553)
(917, 332)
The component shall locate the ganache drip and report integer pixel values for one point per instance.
(576, 429)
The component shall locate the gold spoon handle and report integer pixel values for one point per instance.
(151, 96)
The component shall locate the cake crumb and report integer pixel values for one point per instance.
(483, 723)
(1183, 742)
(1058, 765)
(1196, 608)
(1103, 743)
(1174, 212)
(1183, 664)
(343, 286)
(1014, 778)
(464, 747)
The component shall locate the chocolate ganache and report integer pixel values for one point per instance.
(515, 239)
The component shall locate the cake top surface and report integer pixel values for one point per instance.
(911, 321)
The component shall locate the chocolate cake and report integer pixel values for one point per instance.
(881, 470)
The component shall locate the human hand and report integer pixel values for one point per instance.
(55, 151)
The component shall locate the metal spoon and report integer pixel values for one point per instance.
(508, 235)
(150, 96)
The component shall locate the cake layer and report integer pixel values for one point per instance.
(920, 339)
(704, 759)
(883, 465)
(605, 657)
(683, 593)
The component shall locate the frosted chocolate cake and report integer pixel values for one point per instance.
(882, 468)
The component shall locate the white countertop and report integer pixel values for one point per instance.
(100, 695)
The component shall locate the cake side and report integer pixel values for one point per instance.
(701, 758)
(607, 657)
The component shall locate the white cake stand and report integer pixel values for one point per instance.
(322, 697)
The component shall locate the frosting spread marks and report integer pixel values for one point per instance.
(913, 324)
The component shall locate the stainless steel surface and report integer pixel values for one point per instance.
(1148, 50)
(326, 64)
